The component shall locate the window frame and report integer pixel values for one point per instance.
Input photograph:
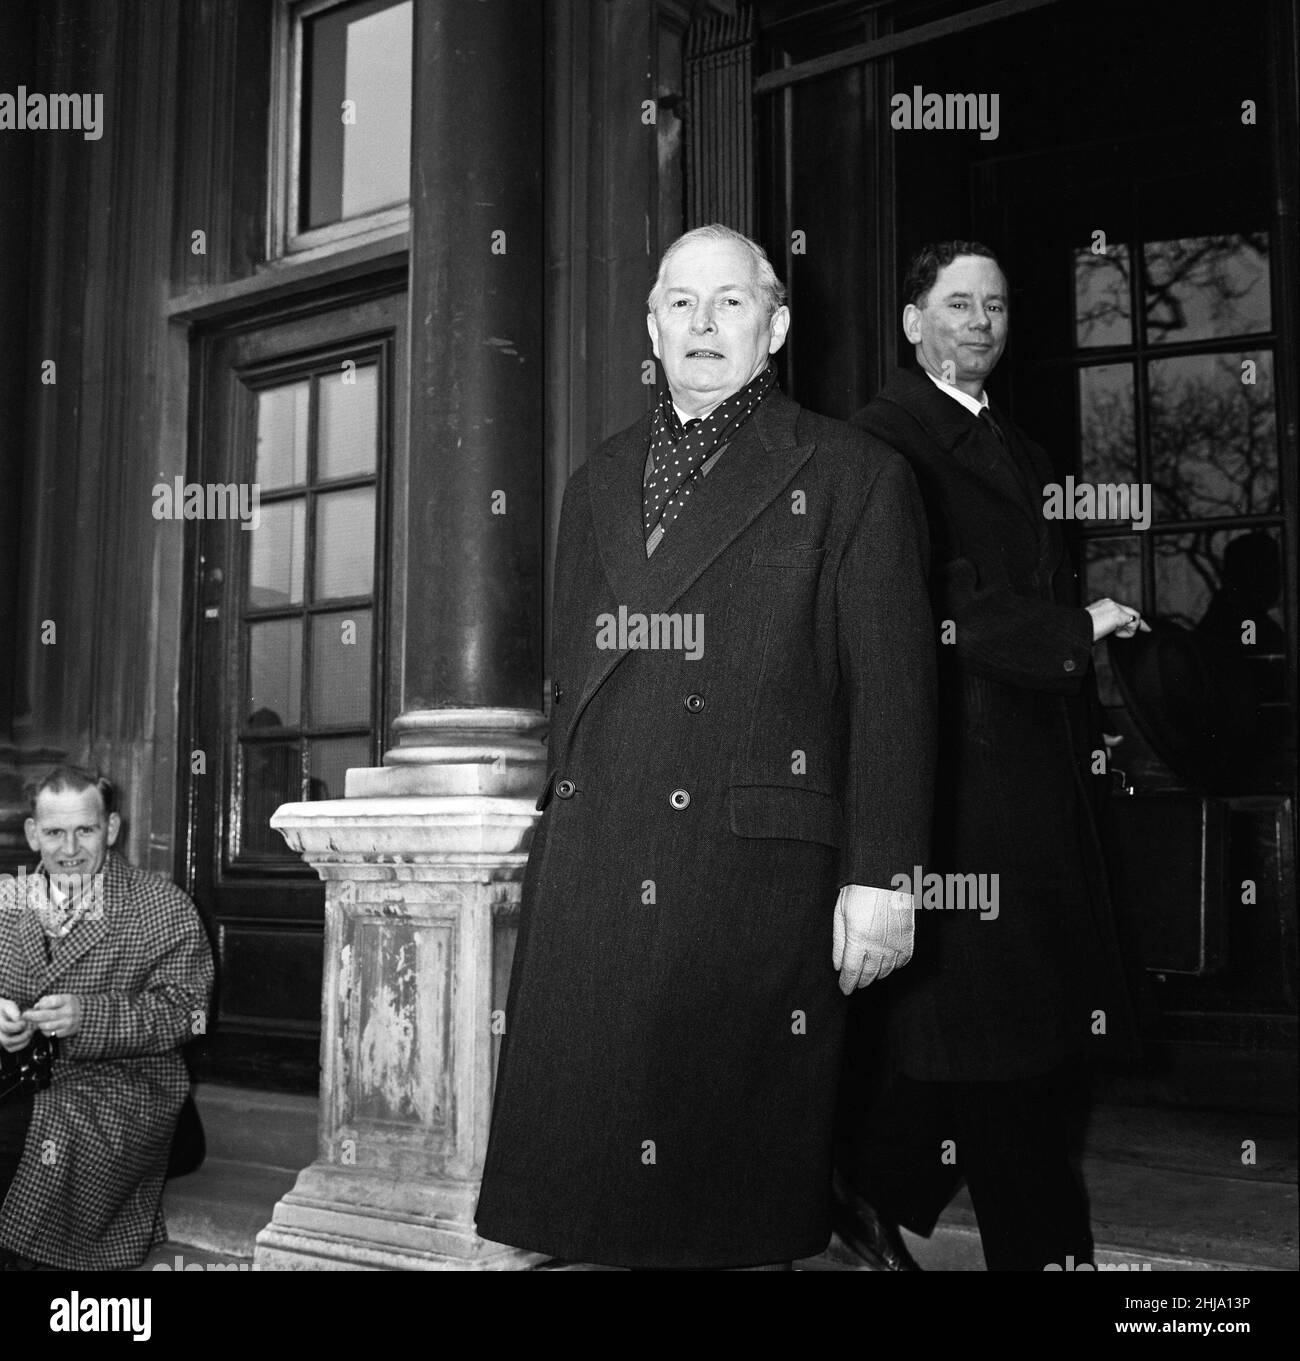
(1139, 354)
(284, 153)
(251, 380)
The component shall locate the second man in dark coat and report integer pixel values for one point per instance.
(990, 1022)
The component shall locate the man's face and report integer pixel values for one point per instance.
(961, 330)
(70, 831)
(711, 330)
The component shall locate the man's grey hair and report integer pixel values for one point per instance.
(770, 289)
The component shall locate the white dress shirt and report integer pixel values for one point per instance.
(972, 404)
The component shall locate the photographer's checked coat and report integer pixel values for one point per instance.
(673, 1031)
(88, 1193)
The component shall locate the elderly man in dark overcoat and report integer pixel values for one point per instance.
(991, 1020)
(740, 766)
(111, 964)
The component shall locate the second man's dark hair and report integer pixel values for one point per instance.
(934, 256)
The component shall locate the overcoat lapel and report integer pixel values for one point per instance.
(1033, 453)
(87, 933)
(31, 941)
(70, 948)
(1051, 540)
(760, 461)
(954, 430)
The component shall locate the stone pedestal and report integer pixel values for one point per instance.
(422, 899)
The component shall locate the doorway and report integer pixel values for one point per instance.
(287, 689)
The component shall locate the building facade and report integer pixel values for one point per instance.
(306, 334)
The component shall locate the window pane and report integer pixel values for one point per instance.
(1227, 585)
(1107, 440)
(349, 423)
(272, 776)
(345, 543)
(1201, 287)
(275, 569)
(1113, 567)
(1187, 574)
(1213, 435)
(282, 436)
(1102, 301)
(340, 667)
(1220, 581)
(357, 158)
(331, 759)
(274, 673)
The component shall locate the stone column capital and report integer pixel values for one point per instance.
(401, 837)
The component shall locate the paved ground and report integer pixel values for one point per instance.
(1169, 1190)
(180, 1257)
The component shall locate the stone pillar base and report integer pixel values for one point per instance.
(421, 912)
(491, 752)
(339, 1219)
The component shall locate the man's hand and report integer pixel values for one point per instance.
(58, 1015)
(1109, 616)
(14, 1031)
(873, 934)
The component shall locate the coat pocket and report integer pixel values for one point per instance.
(791, 555)
(771, 810)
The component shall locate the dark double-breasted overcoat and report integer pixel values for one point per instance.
(673, 1031)
(993, 998)
(88, 1192)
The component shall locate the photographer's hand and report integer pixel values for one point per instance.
(57, 1015)
(15, 1031)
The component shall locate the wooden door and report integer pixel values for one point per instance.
(287, 690)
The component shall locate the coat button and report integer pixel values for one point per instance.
(1069, 666)
(556, 693)
(565, 789)
(694, 703)
(679, 799)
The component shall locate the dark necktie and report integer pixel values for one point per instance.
(1018, 465)
(986, 415)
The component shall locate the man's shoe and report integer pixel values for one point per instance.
(867, 1233)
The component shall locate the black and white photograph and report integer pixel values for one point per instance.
(648, 636)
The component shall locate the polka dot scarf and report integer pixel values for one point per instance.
(679, 451)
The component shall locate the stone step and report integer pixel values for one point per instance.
(265, 1129)
(223, 1206)
(257, 1144)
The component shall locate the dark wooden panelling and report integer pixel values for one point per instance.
(270, 976)
(827, 170)
(604, 228)
(720, 121)
(225, 60)
(94, 561)
(17, 66)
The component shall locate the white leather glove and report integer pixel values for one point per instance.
(873, 934)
